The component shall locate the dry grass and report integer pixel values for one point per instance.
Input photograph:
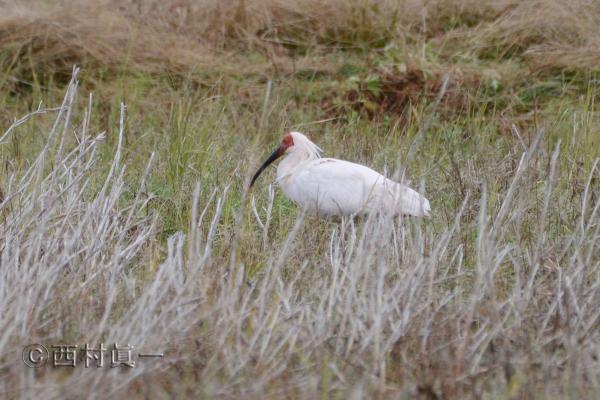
(135, 227)
(393, 308)
(552, 34)
(51, 38)
(156, 35)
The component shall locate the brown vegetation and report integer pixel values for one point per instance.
(151, 35)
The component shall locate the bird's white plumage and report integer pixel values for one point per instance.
(335, 187)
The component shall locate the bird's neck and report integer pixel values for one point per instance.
(289, 164)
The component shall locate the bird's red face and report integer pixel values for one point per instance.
(286, 143)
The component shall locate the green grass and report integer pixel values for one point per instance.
(210, 135)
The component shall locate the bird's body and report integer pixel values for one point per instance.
(329, 186)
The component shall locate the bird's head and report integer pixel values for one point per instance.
(291, 142)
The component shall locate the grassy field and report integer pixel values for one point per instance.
(129, 131)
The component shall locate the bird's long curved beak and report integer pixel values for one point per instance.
(274, 156)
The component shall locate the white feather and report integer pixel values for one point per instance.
(329, 186)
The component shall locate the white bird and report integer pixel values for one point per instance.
(329, 186)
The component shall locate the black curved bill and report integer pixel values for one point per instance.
(274, 156)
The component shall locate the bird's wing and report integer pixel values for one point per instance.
(332, 186)
(403, 200)
(340, 187)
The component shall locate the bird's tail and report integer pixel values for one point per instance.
(408, 201)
